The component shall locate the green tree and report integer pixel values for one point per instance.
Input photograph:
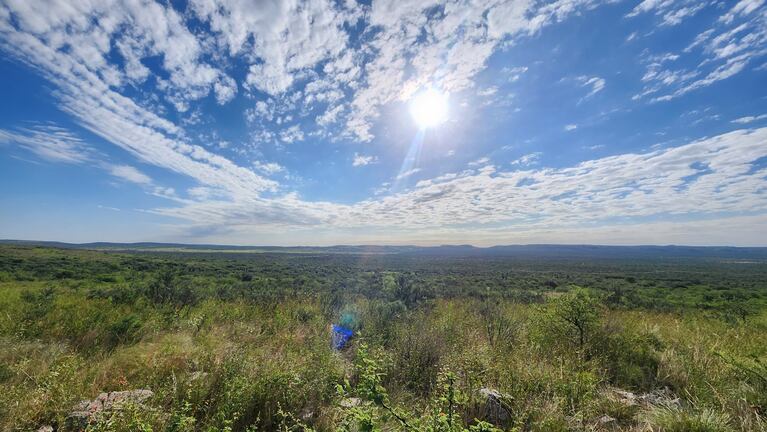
(572, 319)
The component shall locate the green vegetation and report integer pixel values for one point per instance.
(240, 342)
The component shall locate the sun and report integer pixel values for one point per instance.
(429, 108)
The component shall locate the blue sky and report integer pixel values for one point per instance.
(290, 123)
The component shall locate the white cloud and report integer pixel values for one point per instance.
(408, 173)
(291, 134)
(131, 174)
(283, 38)
(330, 116)
(595, 84)
(481, 161)
(103, 207)
(362, 160)
(49, 142)
(571, 127)
(225, 89)
(57, 144)
(300, 55)
(515, 73)
(750, 119)
(671, 12)
(528, 159)
(85, 81)
(743, 7)
(724, 50)
(268, 168)
(460, 43)
(488, 91)
(703, 180)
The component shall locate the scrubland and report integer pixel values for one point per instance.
(243, 343)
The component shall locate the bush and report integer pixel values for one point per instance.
(125, 330)
(631, 358)
(570, 323)
(117, 294)
(379, 317)
(37, 305)
(500, 328)
(166, 289)
(417, 349)
(579, 390)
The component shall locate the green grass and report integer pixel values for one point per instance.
(222, 351)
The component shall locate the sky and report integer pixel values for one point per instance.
(302, 122)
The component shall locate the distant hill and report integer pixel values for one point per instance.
(530, 251)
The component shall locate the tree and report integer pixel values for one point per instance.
(573, 318)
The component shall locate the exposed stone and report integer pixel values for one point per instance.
(626, 397)
(198, 375)
(45, 429)
(605, 419)
(662, 397)
(496, 406)
(350, 402)
(86, 411)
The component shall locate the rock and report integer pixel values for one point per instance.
(86, 411)
(77, 421)
(662, 397)
(605, 419)
(350, 402)
(306, 415)
(45, 429)
(496, 406)
(198, 375)
(626, 397)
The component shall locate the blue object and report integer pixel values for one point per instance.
(340, 336)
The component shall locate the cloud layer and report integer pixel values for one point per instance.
(718, 176)
(132, 72)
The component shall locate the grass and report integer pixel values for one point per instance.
(221, 353)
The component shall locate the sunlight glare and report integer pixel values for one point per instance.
(429, 108)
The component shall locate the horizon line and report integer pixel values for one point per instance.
(392, 245)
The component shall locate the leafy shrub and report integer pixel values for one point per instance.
(501, 329)
(380, 413)
(116, 294)
(124, 330)
(631, 358)
(417, 349)
(379, 317)
(570, 322)
(166, 289)
(37, 304)
(407, 291)
(579, 390)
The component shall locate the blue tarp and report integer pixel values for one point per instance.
(340, 336)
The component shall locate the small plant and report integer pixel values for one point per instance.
(671, 419)
(378, 410)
